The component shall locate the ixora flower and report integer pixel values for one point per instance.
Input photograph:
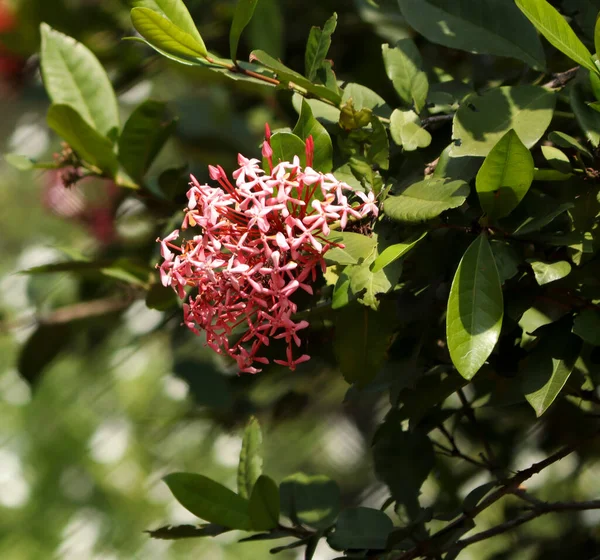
(252, 246)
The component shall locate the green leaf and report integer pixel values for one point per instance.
(365, 98)
(288, 75)
(565, 141)
(507, 259)
(549, 272)
(587, 117)
(362, 339)
(477, 26)
(209, 500)
(24, 163)
(557, 31)
(597, 37)
(475, 309)
(175, 11)
(143, 136)
(341, 292)
(482, 120)
(378, 154)
(317, 47)
(74, 76)
(426, 200)
(541, 216)
(89, 144)
(405, 127)
(267, 27)
(395, 252)
(307, 126)
(356, 247)
(285, 146)
(403, 66)
(546, 370)
(505, 176)
(310, 500)
(161, 298)
(587, 326)
(369, 284)
(550, 175)
(557, 159)
(250, 465)
(361, 528)
(172, 533)
(264, 504)
(166, 36)
(244, 10)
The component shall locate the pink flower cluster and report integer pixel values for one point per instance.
(255, 244)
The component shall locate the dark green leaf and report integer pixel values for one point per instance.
(505, 176)
(317, 47)
(477, 494)
(565, 141)
(307, 126)
(426, 200)
(266, 28)
(244, 10)
(143, 136)
(209, 500)
(403, 66)
(378, 154)
(285, 146)
(171, 532)
(406, 131)
(311, 500)
(207, 385)
(482, 120)
(73, 76)
(587, 326)
(475, 309)
(264, 504)
(587, 117)
(161, 298)
(507, 259)
(89, 144)
(250, 465)
(558, 32)
(362, 528)
(478, 26)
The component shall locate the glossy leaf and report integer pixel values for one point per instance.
(311, 500)
(425, 200)
(478, 26)
(209, 500)
(264, 504)
(406, 131)
(143, 136)
(475, 309)
(165, 35)
(565, 141)
(317, 47)
(482, 120)
(89, 144)
(557, 159)
(250, 465)
(244, 10)
(403, 66)
(557, 31)
(175, 11)
(307, 126)
(395, 252)
(285, 146)
(356, 247)
(361, 528)
(73, 76)
(505, 176)
(549, 272)
(587, 326)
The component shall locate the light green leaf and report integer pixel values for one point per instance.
(464, 168)
(244, 10)
(550, 175)
(250, 465)
(209, 500)
(549, 272)
(24, 163)
(478, 26)
(143, 136)
(365, 98)
(356, 247)
(403, 66)
(361, 528)
(558, 32)
(362, 339)
(176, 12)
(317, 47)
(264, 504)
(597, 37)
(405, 127)
(311, 500)
(482, 120)
(324, 112)
(565, 141)
(307, 126)
(587, 326)
(285, 146)
(475, 309)
(546, 370)
(557, 159)
(505, 176)
(342, 295)
(89, 144)
(166, 36)
(369, 284)
(395, 252)
(587, 117)
(74, 76)
(426, 200)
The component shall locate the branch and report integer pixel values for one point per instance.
(489, 457)
(436, 119)
(561, 79)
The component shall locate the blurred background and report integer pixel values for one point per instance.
(98, 403)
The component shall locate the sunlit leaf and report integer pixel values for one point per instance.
(307, 126)
(406, 131)
(250, 465)
(549, 272)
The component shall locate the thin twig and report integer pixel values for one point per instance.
(489, 457)
(561, 79)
